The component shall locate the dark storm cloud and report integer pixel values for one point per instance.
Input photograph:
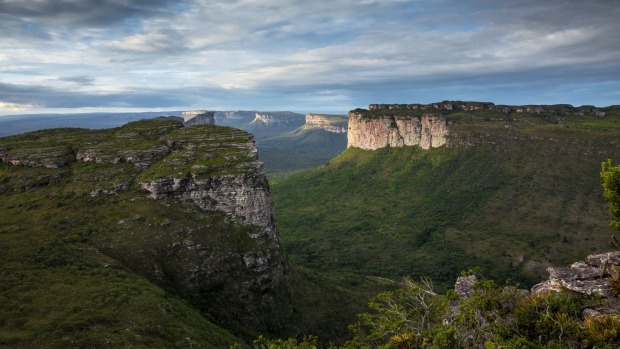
(88, 13)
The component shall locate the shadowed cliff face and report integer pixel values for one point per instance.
(426, 131)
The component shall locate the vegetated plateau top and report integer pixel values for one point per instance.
(486, 111)
(159, 148)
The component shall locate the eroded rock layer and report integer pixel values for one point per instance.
(329, 123)
(426, 131)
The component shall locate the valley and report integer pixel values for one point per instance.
(157, 234)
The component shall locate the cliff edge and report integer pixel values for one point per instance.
(438, 124)
(426, 131)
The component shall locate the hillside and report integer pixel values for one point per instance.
(299, 150)
(149, 235)
(290, 142)
(510, 192)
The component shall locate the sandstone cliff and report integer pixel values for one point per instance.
(278, 118)
(198, 117)
(444, 123)
(426, 131)
(329, 123)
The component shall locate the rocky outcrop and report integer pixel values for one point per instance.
(464, 286)
(370, 133)
(50, 157)
(198, 117)
(594, 276)
(329, 123)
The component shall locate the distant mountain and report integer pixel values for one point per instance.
(320, 138)
(289, 142)
(292, 152)
(16, 124)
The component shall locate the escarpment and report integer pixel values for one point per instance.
(198, 117)
(218, 172)
(189, 208)
(457, 124)
(278, 118)
(426, 131)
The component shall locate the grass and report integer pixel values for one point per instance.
(509, 199)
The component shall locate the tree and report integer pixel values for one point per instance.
(400, 318)
(610, 175)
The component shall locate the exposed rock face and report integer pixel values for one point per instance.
(276, 118)
(464, 286)
(223, 174)
(589, 278)
(198, 117)
(329, 123)
(431, 125)
(427, 131)
(244, 195)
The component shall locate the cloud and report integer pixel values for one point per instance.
(78, 79)
(192, 52)
(46, 97)
(160, 41)
(86, 13)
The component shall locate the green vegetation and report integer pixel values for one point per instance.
(610, 176)
(512, 197)
(88, 260)
(68, 281)
(493, 317)
(299, 150)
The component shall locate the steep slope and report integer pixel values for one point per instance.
(300, 150)
(503, 184)
(85, 246)
(260, 124)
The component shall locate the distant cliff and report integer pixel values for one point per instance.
(444, 123)
(426, 131)
(329, 123)
(198, 117)
(278, 118)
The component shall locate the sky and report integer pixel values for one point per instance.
(304, 55)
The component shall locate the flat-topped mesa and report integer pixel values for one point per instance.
(329, 123)
(442, 123)
(426, 131)
(557, 109)
(198, 117)
(446, 105)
